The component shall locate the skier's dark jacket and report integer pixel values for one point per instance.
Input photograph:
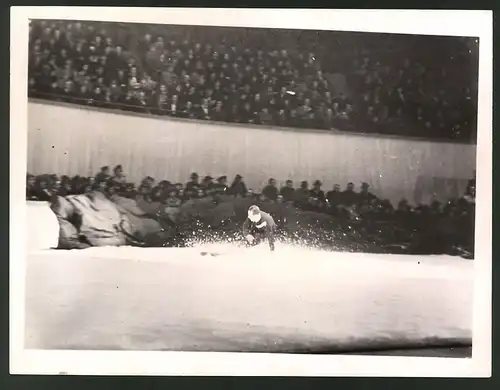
(266, 224)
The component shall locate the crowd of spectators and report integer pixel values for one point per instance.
(358, 213)
(406, 85)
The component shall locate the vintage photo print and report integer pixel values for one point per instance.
(251, 192)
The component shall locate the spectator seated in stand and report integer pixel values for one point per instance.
(239, 75)
(317, 196)
(238, 188)
(271, 191)
(287, 192)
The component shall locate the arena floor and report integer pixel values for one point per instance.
(223, 298)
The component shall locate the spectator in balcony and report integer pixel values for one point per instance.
(90, 55)
(281, 118)
(294, 120)
(69, 91)
(271, 191)
(193, 96)
(345, 115)
(238, 187)
(205, 111)
(246, 114)
(98, 97)
(189, 111)
(172, 107)
(142, 103)
(288, 192)
(127, 101)
(122, 79)
(161, 99)
(54, 91)
(311, 121)
(265, 118)
(218, 93)
(305, 109)
(328, 119)
(33, 87)
(110, 100)
(219, 114)
(343, 101)
(208, 94)
(257, 103)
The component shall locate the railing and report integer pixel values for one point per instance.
(337, 125)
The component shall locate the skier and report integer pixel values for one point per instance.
(259, 225)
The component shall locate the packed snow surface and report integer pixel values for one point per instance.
(221, 297)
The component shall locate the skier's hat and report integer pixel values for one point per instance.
(254, 210)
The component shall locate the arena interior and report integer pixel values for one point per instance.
(153, 260)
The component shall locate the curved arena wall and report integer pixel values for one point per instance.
(68, 139)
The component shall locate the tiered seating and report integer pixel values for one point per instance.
(259, 76)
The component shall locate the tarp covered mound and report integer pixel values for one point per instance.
(90, 220)
(148, 224)
(94, 220)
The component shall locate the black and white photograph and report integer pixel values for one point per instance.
(251, 192)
